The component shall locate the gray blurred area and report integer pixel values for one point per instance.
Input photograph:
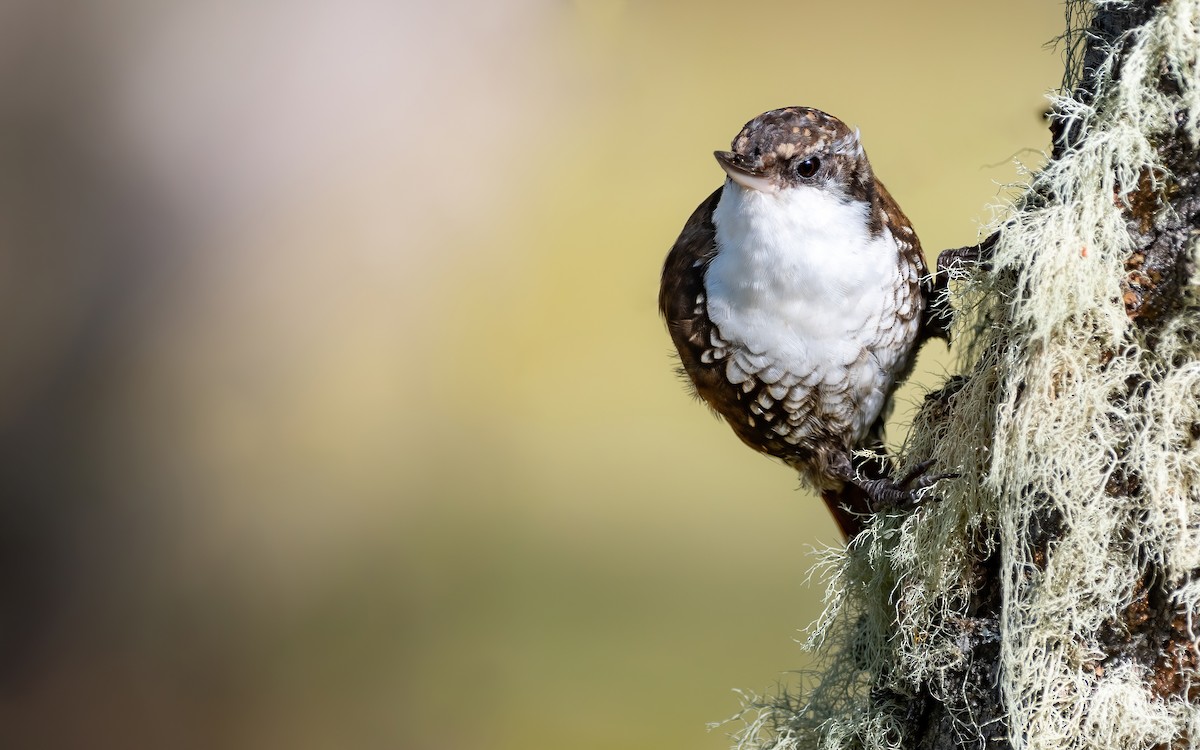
(79, 244)
(161, 165)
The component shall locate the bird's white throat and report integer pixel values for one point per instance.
(797, 273)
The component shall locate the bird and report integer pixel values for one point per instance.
(796, 296)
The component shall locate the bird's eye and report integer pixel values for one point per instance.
(808, 167)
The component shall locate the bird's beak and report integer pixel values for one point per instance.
(744, 172)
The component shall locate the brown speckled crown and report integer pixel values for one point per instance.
(786, 129)
(783, 136)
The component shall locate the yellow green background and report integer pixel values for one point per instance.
(337, 407)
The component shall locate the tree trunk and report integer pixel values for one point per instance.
(1048, 597)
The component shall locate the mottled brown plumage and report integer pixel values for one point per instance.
(801, 368)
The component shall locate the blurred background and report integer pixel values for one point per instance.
(334, 405)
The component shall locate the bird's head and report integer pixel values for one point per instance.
(798, 147)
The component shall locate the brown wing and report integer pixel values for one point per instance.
(681, 297)
(935, 311)
(895, 220)
(915, 285)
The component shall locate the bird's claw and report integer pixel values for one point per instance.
(884, 494)
(958, 258)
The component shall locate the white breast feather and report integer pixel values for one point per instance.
(798, 278)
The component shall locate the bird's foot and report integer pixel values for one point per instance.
(939, 315)
(957, 258)
(886, 494)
